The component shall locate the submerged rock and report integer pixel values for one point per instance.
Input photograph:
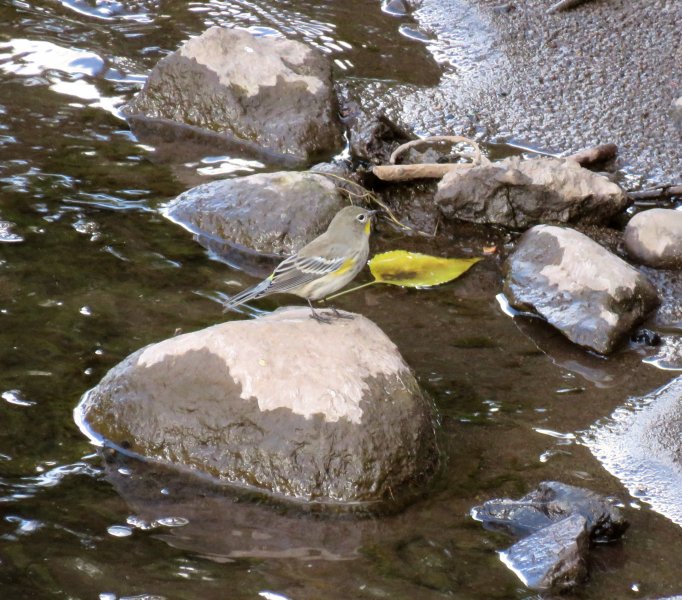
(559, 521)
(283, 404)
(520, 193)
(267, 95)
(641, 444)
(654, 238)
(273, 213)
(592, 296)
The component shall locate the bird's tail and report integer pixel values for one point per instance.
(249, 294)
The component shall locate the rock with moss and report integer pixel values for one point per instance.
(282, 404)
(268, 96)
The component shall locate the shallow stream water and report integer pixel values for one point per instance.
(90, 271)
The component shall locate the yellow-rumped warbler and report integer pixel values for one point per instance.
(323, 266)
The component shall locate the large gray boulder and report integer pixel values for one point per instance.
(592, 296)
(283, 404)
(641, 444)
(520, 193)
(654, 237)
(273, 213)
(271, 94)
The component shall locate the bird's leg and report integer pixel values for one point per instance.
(317, 316)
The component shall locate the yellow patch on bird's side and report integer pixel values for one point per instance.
(347, 265)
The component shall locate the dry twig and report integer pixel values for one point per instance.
(395, 172)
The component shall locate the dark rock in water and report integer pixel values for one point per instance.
(654, 238)
(552, 502)
(282, 404)
(267, 96)
(646, 337)
(641, 444)
(553, 558)
(592, 296)
(272, 213)
(520, 193)
(559, 521)
(373, 139)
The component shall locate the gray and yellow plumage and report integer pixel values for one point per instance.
(322, 267)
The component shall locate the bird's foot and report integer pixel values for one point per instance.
(338, 315)
(319, 317)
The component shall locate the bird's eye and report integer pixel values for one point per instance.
(362, 218)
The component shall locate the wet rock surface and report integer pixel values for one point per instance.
(654, 238)
(519, 193)
(373, 138)
(272, 213)
(593, 297)
(343, 422)
(550, 503)
(641, 444)
(552, 558)
(267, 95)
(559, 521)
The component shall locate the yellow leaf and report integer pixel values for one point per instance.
(411, 269)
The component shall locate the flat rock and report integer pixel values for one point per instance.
(520, 193)
(641, 444)
(272, 213)
(553, 558)
(592, 296)
(263, 93)
(281, 404)
(654, 238)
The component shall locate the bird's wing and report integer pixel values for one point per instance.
(298, 270)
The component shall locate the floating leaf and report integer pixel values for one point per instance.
(411, 269)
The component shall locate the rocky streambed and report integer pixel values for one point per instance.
(268, 441)
(257, 404)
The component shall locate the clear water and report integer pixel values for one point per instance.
(90, 271)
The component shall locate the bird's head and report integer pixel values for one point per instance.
(353, 219)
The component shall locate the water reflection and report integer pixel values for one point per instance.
(219, 522)
(108, 10)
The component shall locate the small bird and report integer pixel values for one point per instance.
(325, 265)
